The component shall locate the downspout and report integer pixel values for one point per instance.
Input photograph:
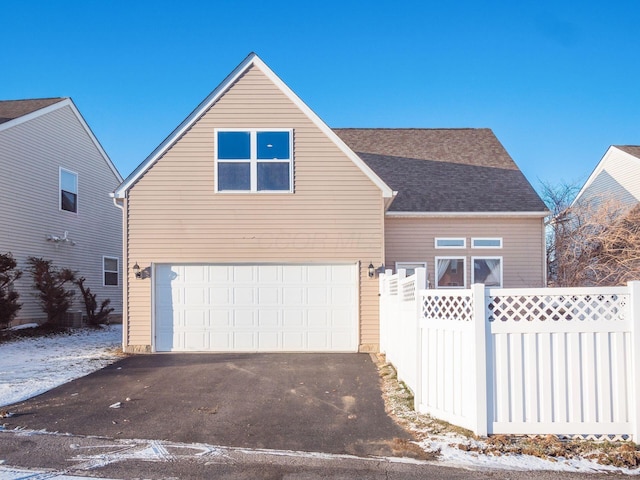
(119, 202)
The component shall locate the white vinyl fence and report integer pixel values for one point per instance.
(562, 361)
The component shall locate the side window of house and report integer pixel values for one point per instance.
(254, 160)
(450, 272)
(110, 271)
(410, 267)
(487, 270)
(68, 191)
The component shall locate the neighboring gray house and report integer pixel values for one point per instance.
(54, 197)
(616, 176)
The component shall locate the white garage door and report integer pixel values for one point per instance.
(268, 308)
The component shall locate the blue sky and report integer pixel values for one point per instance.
(557, 81)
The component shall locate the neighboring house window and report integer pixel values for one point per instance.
(410, 267)
(450, 272)
(486, 242)
(110, 271)
(487, 270)
(451, 242)
(68, 191)
(254, 160)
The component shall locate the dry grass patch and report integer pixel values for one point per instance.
(399, 404)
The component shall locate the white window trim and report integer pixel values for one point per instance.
(464, 271)
(117, 259)
(60, 170)
(464, 242)
(399, 265)
(473, 270)
(253, 160)
(473, 241)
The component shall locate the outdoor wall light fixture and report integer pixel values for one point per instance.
(372, 270)
(136, 270)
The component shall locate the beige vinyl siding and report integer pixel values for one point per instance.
(412, 240)
(174, 215)
(31, 154)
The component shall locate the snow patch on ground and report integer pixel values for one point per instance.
(31, 366)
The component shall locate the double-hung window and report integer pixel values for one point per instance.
(110, 271)
(68, 191)
(254, 160)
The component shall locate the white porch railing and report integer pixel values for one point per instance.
(521, 361)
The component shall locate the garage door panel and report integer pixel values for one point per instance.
(243, 274)
(268, 296)
(269, 341)
(198, 295)
(256, 307)
(293, 296)
(269, 318)
(269, 275)
(220, 296)
(243, 318)
(244, 341)
(292, 319)
(243, 296)
(221, 318)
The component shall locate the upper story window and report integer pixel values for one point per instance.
(254, 160)
(486, 242)
(110, 271)
(451, 242)
(68, 191)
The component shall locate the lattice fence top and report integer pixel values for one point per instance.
(447, 307)
(580, 307)
(409, 289)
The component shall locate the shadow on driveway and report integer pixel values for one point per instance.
(308, 402)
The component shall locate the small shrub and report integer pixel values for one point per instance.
(9, 305)
(90, 304)
(50, 283)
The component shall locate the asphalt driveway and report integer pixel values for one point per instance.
(308, 402)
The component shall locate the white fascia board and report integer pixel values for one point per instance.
(168, 142)
(612, 151)
(95, 141)
(35, 114)
(465, 214)
(251, 60)
(594, 174)
(387, 192)
(65, 102)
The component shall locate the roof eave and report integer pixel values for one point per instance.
(504, 214)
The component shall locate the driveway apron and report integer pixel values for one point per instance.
(307, 402)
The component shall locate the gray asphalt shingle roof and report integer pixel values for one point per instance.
(630, 149)
(10, 109)
(444, 170)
